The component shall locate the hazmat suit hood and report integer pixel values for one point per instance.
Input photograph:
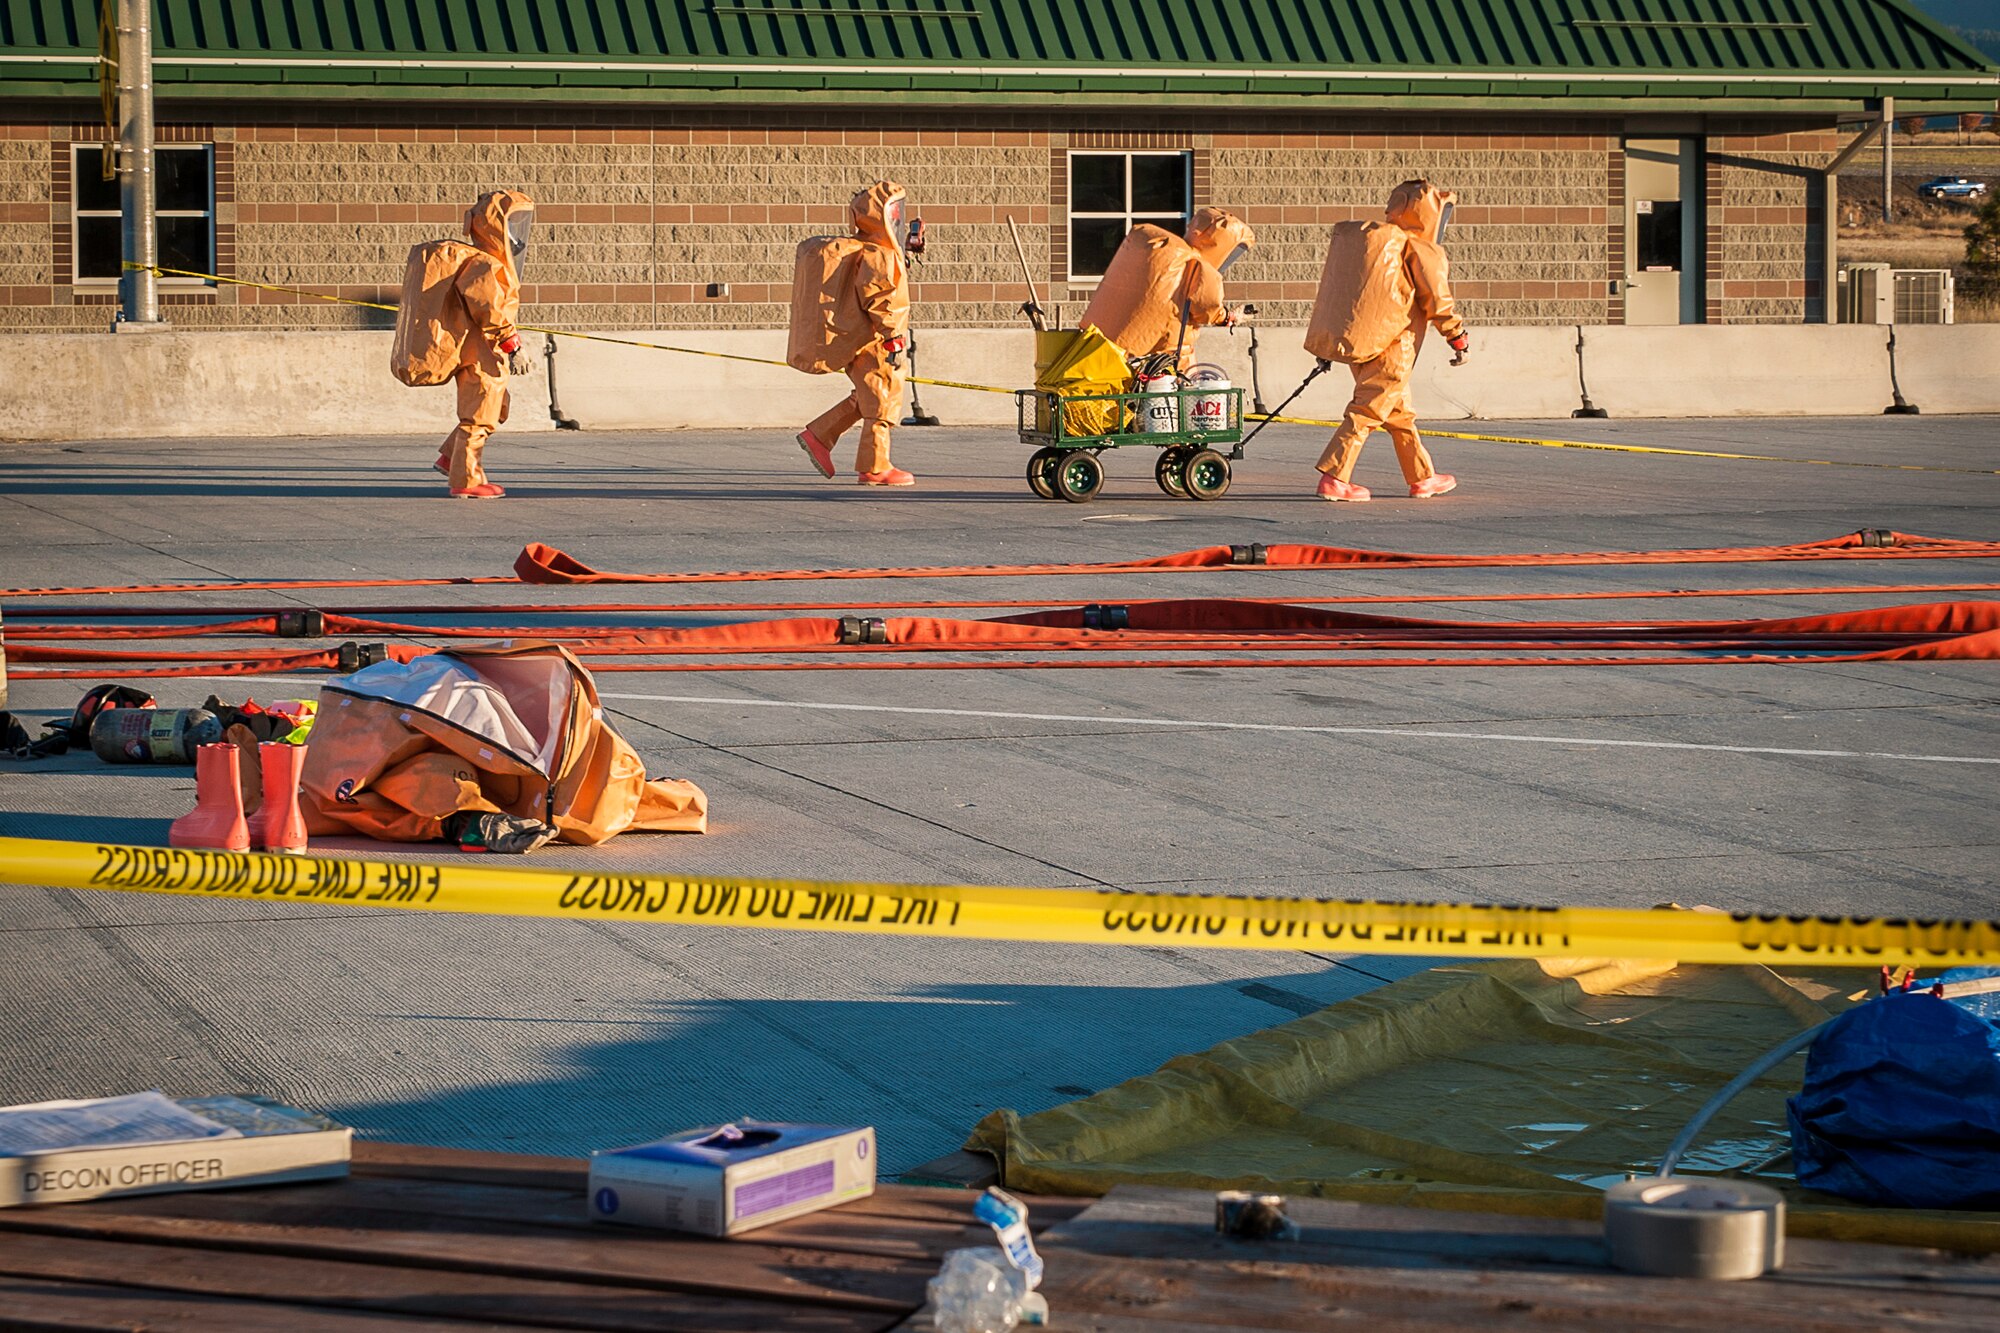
(1421, 209)
(1219, 236)
(878, 214)
(498, 224)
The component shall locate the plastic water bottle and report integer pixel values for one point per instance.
(989, 1290)
(977, 1291)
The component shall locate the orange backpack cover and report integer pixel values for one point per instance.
(1365, 299)
(431, 320)
(828, 328)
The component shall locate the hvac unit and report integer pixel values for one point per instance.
(1923, 295)
(1867, 294)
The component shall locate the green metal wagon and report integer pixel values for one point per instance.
(1070, 431)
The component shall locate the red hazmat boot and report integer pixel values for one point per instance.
(1435, 485)
(278, 826)
(1333, 488)
(821, 455)
(888, 476)
(443, 464)
(216, 822)
(485, 490)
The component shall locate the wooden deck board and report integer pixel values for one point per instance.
(430, 1293)
(30, 1306)
(1144, 1259)
(435, 1239)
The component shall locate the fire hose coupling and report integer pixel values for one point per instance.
(354, 656)
(1106, 617)
(1877, 537)
(1253, 554)
(863, 629)
(309, 623)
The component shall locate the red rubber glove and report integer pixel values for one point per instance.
(1459, 347)
(510, 344)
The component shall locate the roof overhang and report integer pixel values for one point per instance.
(375, 79)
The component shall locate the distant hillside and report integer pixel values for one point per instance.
(1958, 13)
(1973, 20)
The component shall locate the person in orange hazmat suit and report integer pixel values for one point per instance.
(1382, 284)
(488, 287)
(851, 313)
(1161, 288)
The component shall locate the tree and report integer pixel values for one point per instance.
(1982, 248)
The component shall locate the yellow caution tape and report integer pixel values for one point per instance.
(994, 388)
(1062, 916)
(1648, 449)
(531, 328)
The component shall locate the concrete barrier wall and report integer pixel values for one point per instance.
(179, 384)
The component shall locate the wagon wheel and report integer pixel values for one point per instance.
(1077, 476)
(1167, 472)
(1206, 475)
(1041, 465)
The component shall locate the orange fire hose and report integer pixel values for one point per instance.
(263, 621)
(542, 564)
(1928, 632)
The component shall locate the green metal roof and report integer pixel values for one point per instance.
(1266, 52)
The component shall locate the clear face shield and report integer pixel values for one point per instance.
(519, 223)
(1234, 255)
(1444, 220)
(895, 219)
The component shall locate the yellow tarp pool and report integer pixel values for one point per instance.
(1511, 1086)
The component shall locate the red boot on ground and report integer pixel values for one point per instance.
(1431, 486)
(888, 476)
(485, 490)
(1333, 488)
(821, 455)
(216, 822)
(278, 826)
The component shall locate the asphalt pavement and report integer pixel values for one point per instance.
(1791, 787)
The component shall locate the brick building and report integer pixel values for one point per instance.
(1641, 161)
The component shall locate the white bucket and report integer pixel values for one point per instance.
(1210, 412)
(1159, 416)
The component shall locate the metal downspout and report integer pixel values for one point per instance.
(138, 287)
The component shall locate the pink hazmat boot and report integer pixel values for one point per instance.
(1433, 485)
(1333, 488)
(216, 822)
(888, 476)
(485, 490)
(821, 455)
(278, 826)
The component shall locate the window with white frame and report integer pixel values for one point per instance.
(184, 200)
(1111, 193)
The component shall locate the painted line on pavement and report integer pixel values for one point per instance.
(1210, 725)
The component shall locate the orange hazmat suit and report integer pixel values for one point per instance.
(1156, 274)
(517, 729)
(1382, 284)
(851, 313)
(479, 311)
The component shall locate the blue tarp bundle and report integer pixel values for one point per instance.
(1901, 1103)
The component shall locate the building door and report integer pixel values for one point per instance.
(1663, 231)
